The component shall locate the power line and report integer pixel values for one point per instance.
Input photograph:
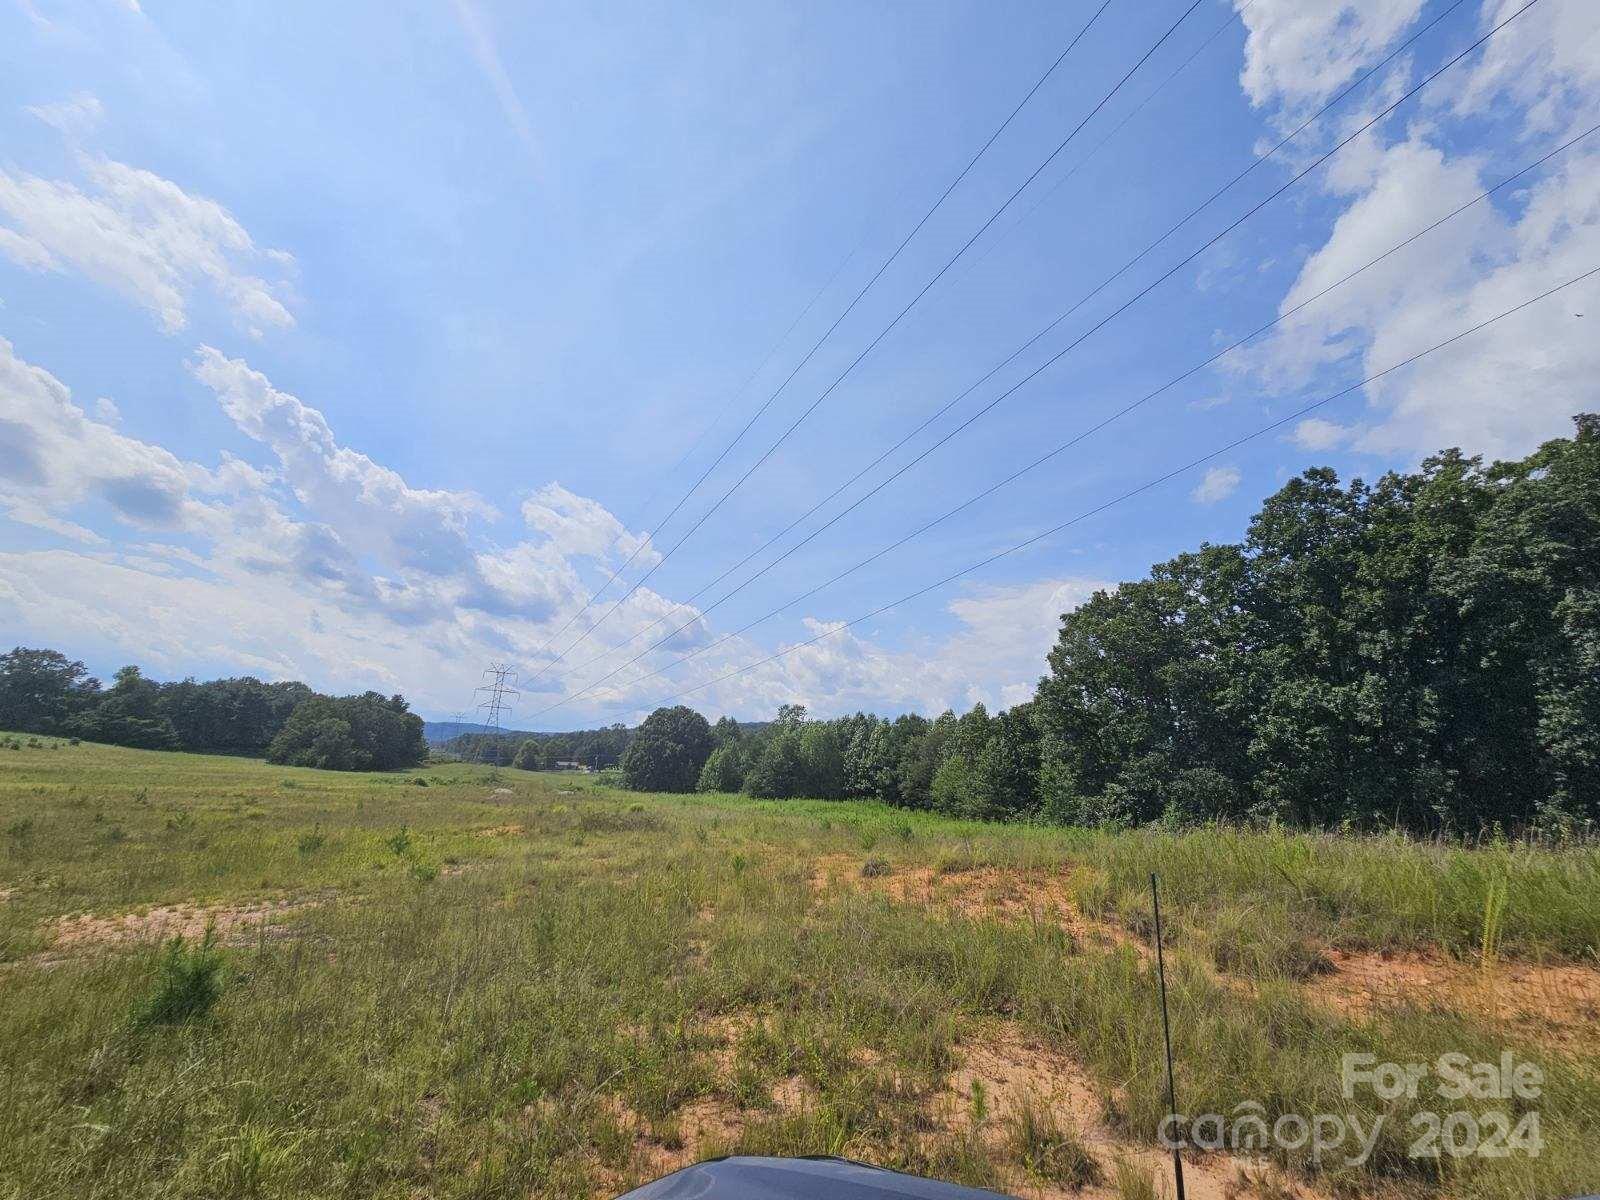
(1041, 460)
(499, 695)
(1014, 355)
(1144, 487)
(1044, 197)
(704, 433)
(931, 418)
(766, 454)
(849, 308)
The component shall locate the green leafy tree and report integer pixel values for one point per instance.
(957, 790)
(724, 770)
(41, 690)
(668, 752)
(129, 714)
(912, 763)
(1418, 651)
(1007, 767)
(822, 756)
(865, 757)
(351, 733)
(779, 770)
(529, 756)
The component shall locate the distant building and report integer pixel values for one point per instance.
(571, 765)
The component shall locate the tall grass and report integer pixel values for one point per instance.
(547, 1018)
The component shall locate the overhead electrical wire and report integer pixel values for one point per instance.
(1131, 493)
(848, 309)
(812, 407)
(1044, 197)
(706, 432)
(1014, 355)
(1076, 439)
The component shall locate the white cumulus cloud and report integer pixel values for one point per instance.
(1298, 53)
(1502, 391)
(141, 236)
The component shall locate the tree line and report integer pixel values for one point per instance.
(1421, 652)
(43, 691)
(597, 749)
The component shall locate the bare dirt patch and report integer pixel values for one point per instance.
(1012, 1069)
(501, 831)
(1557, 1005)
(235, 923)
(712, 1123)
(1018, 895)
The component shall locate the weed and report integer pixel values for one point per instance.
(875, 868)
(1133, 1182)
(423, 871)
(1048, 1149)
(1262, 943)
(250, 1159)
(310, 843)
(419, 782)
(978, 1103)
(20, 830)
(189, 981)
(400, 842)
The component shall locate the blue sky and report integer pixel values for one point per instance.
(361, 343)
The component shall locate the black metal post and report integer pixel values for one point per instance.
(1166, 1035)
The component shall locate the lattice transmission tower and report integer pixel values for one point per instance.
(499, 692)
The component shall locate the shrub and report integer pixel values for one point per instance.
(189, 982)
(311, 842)
(875, 868)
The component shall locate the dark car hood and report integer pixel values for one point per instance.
(750, 1178)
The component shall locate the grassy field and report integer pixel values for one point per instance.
(457, 982)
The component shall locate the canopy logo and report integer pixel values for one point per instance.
(1482, 1131)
